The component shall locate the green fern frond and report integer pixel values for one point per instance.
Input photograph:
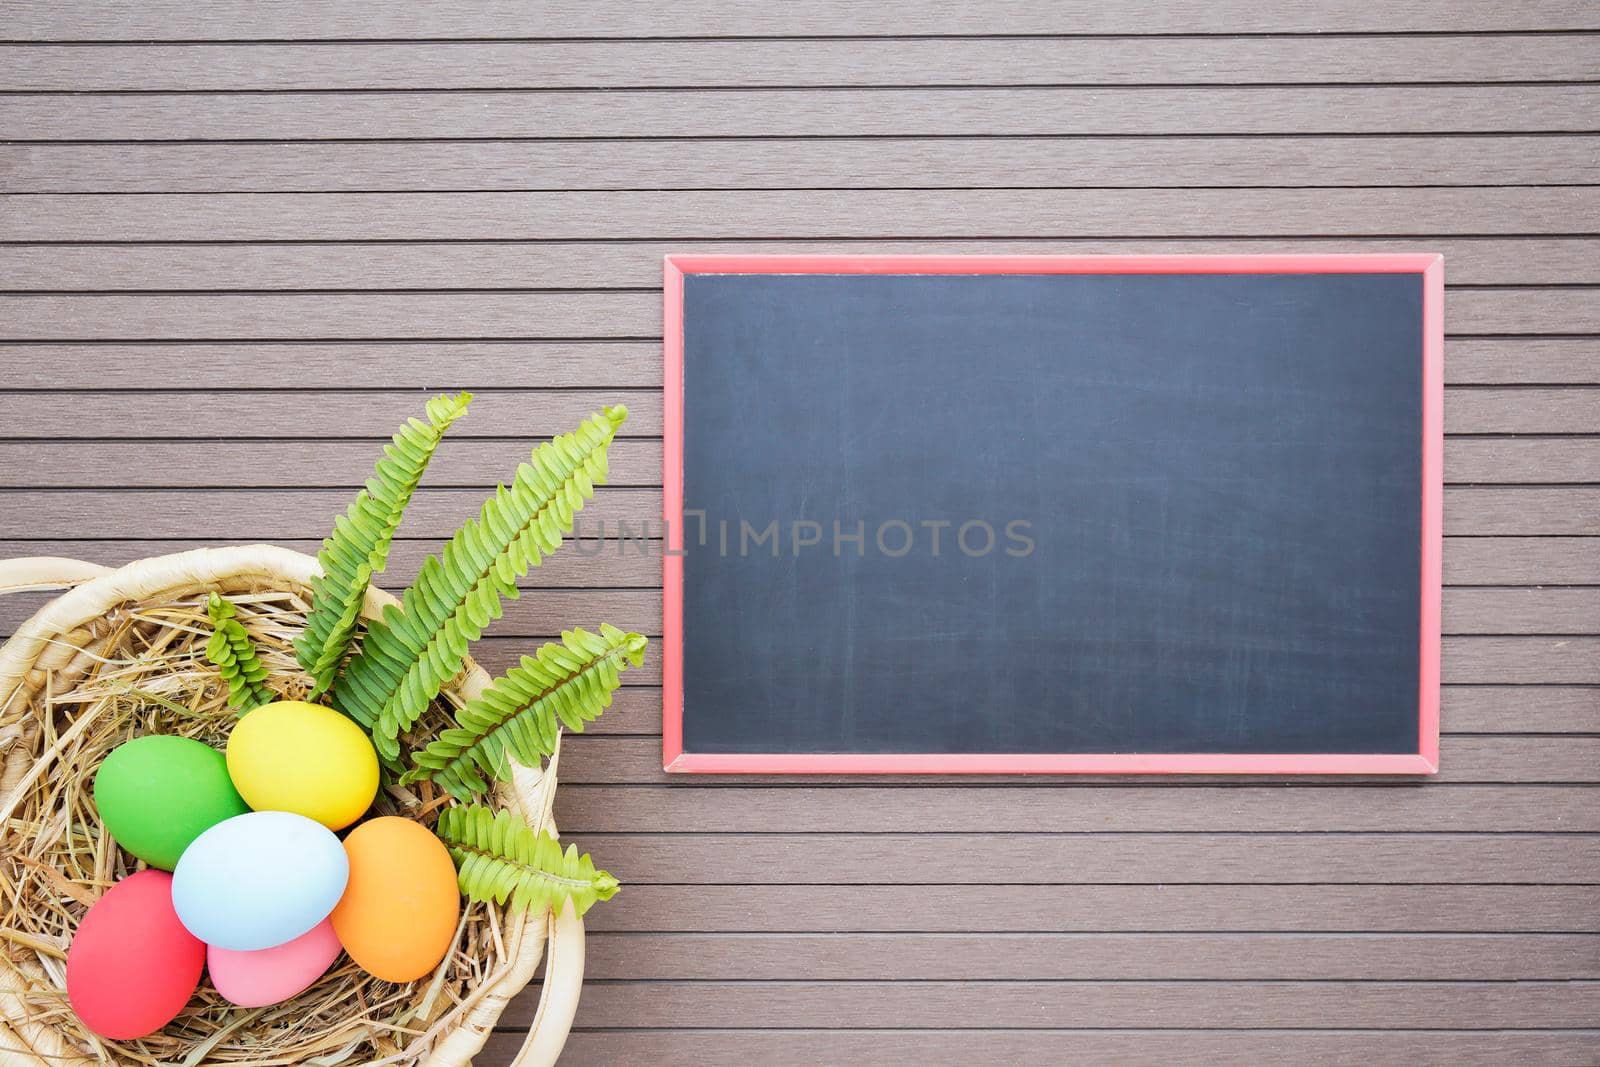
(359, 546)
(519, 716)
(410, 652)
(234, 655)
(502, 859)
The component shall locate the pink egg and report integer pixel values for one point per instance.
(268, 975)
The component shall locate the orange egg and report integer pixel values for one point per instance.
(398, 914)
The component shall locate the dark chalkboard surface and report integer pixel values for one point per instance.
(1124, 515)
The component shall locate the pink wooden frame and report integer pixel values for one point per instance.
(1425, 760)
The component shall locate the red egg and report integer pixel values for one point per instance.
(132, 966)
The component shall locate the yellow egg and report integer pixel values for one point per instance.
(304, 758)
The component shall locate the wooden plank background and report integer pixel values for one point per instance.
(239, 242)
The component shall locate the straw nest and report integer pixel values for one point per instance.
(139, 669)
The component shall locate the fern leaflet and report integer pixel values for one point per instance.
(519, 716)
(359, 546)
(502, 859)
(234, 655)
(411, 651)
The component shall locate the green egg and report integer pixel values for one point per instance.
(157, 793)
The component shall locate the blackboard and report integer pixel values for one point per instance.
(1052, 514)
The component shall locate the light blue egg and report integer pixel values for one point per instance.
(259, 880)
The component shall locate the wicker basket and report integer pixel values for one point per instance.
(65, 699)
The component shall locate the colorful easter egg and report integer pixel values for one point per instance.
(268, 975)
(155, 794)
(304, 758)
(398, 915)
(132, 966)
(259, 880)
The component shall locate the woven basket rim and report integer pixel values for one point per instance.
(50, 640)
